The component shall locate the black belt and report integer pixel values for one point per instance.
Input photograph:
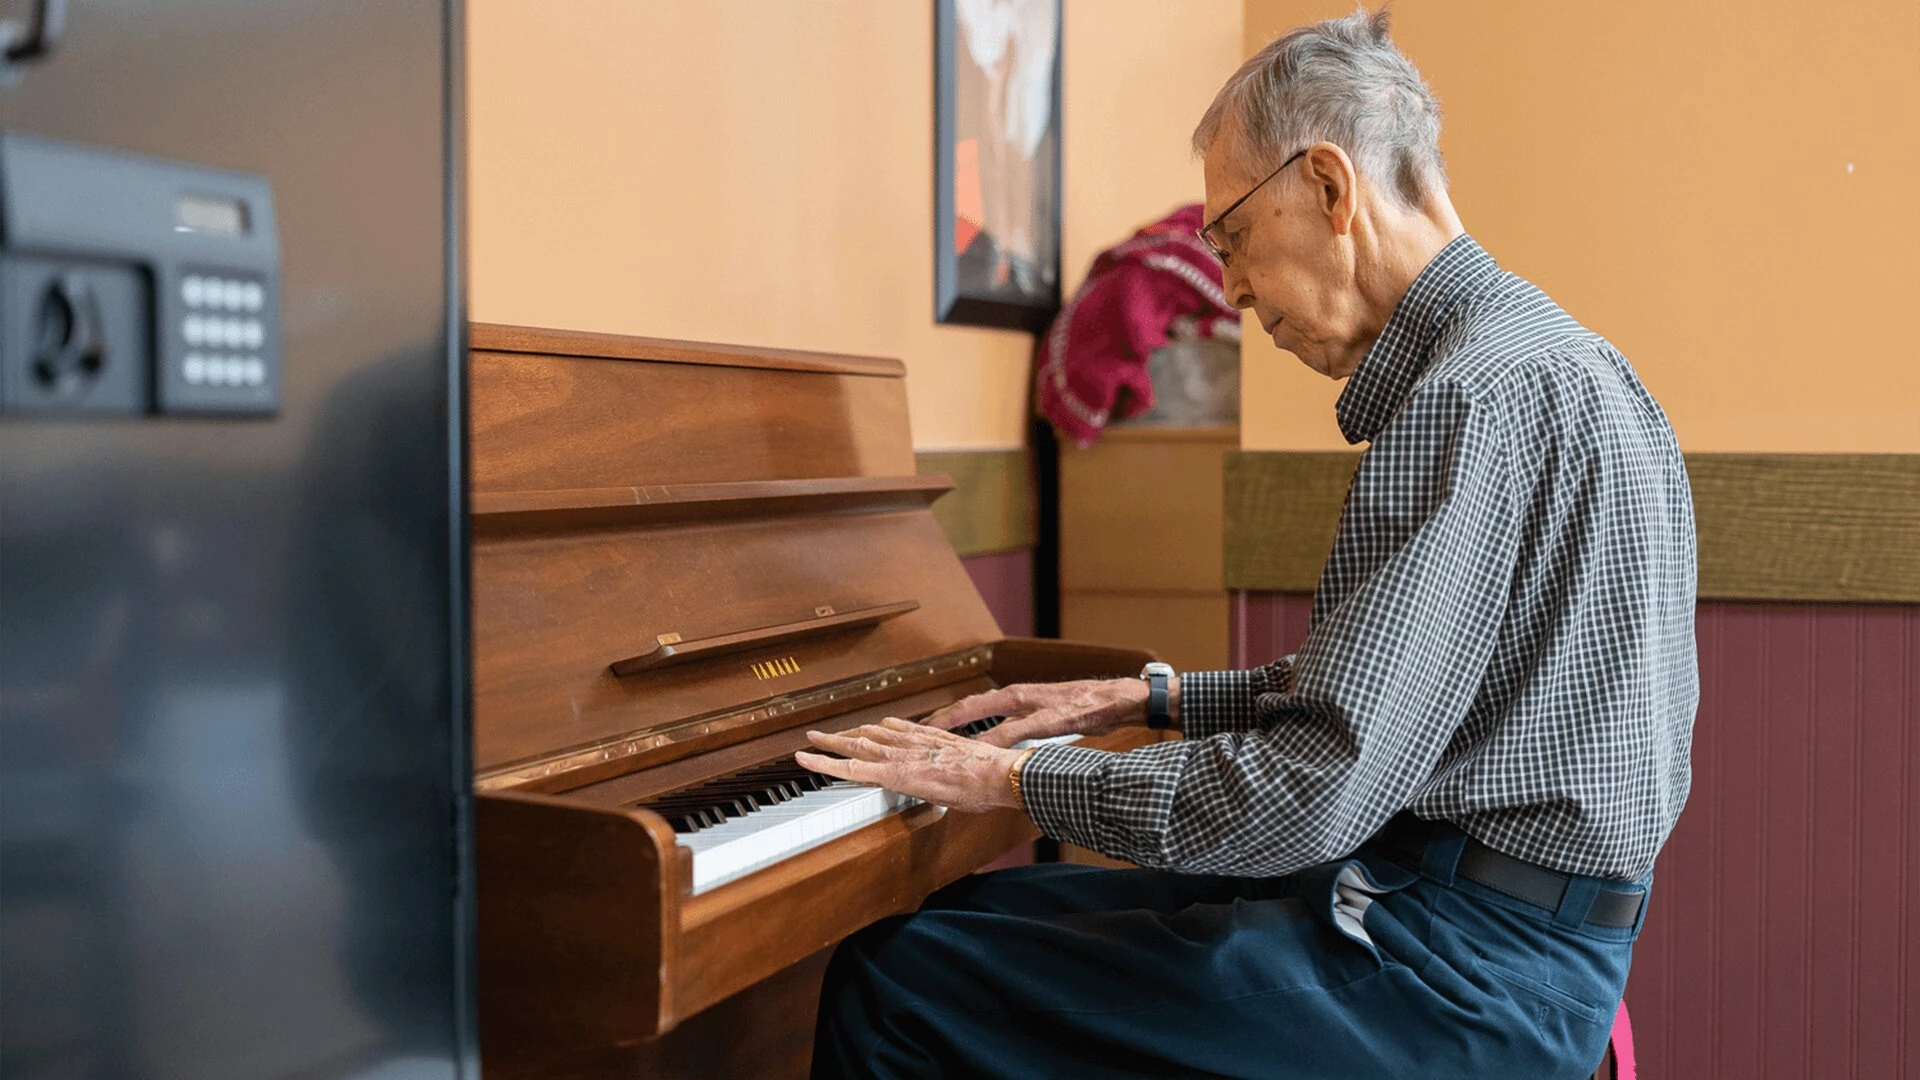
(1405, 840)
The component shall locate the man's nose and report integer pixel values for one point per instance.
(1234, 284)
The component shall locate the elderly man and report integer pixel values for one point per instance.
(1420, 846)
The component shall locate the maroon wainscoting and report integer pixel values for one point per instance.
(1784, 936)
(1005, 581)
(1266, 626)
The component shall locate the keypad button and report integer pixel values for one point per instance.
(195, 369)
(252, 334)
(233, 291)
(192, 291)
(234, 333)
(236, 371)
(252, 296)
(216, 371)
(193, 329)
(255, 371)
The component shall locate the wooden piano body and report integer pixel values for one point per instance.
(684, 557)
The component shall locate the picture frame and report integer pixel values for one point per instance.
(997, 130)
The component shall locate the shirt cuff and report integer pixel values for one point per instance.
(1215, 701)
(1060, 787)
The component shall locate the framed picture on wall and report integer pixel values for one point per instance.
(997, 162)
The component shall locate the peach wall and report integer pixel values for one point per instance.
(762, 173)
(1137, 74)
(1731, 193)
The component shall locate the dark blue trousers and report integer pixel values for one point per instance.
(1071, 971)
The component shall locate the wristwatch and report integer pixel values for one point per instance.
(1157, 675)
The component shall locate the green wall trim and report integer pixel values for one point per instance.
(1799, 527)
(991, 507)
(1282, 511)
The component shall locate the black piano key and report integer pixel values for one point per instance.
(678, 806)
(979, 727)
(724, 792)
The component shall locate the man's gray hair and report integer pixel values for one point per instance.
(1342, 81)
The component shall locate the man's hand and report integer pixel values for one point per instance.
(1043, 710)
(913, 759)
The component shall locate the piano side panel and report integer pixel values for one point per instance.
(552, 612)
(554, 422)
(576, 927)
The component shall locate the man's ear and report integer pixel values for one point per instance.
(1334, 183)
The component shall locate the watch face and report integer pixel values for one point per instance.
(1156, 668)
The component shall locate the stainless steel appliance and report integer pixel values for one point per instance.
(233, 761)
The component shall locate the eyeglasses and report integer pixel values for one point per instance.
(1210, 233)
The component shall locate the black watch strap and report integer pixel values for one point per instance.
(1158, 676)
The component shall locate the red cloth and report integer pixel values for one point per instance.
(1136, 295)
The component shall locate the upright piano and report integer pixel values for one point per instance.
(684, 557)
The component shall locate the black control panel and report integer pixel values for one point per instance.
(134, 285)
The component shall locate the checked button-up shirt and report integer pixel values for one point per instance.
(1502, 636)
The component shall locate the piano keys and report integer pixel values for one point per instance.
(740, 822)
(684, 557)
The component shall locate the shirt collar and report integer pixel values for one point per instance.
(1405, 346)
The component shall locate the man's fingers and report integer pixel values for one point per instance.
(1040, 725)
(978, 707)
(843, 768)
(908, 733)
(902, 733)
(849, 744)
(880, 742)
